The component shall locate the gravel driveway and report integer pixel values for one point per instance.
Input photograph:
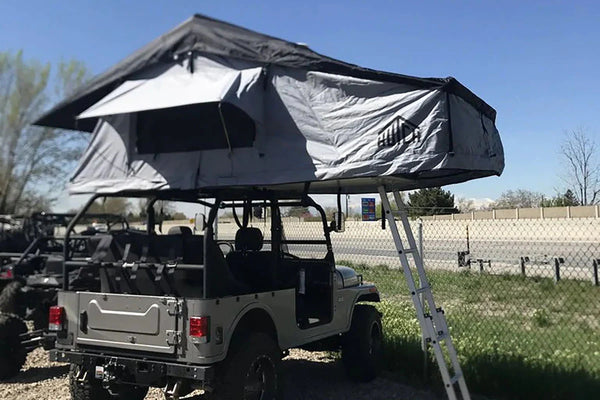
(309, 375)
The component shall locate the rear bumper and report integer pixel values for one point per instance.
(137, 371)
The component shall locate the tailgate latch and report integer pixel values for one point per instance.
(174, 307)
(173, 338)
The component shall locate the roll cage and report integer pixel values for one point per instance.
(162, 271)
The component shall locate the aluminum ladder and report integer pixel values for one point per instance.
(432, 320)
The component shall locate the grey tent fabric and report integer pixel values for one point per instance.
(204, 35)
(342, 133)
(210, 105)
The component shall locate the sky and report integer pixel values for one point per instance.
(535, 62)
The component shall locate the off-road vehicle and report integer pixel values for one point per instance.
(29, 281)
(174, 312)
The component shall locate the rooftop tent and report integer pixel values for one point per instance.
(212, 105)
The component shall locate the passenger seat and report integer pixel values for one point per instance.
(248, 263)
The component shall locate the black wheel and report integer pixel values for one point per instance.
(12, 353)
(85, 387)
(362, 345)
(40, 316)
(9, 298)
(250, 372)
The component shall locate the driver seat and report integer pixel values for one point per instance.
(248, 263)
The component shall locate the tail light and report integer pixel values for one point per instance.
(199, 329)
(56, 318)
(7, 274)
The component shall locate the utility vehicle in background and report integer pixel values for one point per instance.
(29, 280)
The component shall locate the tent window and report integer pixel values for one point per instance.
(192, 128)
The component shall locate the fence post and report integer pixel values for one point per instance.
(523, 266)
(420, 238)
(423, 339)
(595, 272)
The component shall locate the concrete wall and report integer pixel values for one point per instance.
(523, 213)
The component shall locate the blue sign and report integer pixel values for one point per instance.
(368, 209)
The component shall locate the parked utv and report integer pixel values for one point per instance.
(29, 282)
(173, 311)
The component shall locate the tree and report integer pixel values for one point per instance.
(520, 198)
(110, 205)
(465, 205)
(297, 212)
(565, 200)
(582, 166)
(33, 160)
(431, 201)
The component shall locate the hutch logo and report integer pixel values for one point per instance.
(398, 130)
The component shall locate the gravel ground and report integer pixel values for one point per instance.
(309, 375)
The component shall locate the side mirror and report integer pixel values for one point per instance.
(199, 223)
(339, 222)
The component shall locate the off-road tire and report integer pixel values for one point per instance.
(9, 297)
(256, 354)
(92, 389)
(39, 316)
(362, 345)
(12, 353)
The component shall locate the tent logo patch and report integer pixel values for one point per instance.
(398, 130)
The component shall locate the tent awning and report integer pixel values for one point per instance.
(176, 85)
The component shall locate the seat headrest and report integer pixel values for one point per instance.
(180, 230)
(248, 239)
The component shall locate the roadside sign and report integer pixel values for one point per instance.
(368, 209)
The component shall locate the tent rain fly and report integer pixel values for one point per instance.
(211, 105)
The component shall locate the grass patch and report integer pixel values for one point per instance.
(517, 337)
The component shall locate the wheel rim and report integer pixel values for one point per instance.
(260, 382)
(375, 340)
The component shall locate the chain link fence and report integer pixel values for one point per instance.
(521, 298)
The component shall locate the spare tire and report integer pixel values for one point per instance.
(12, 353)
(9, 297)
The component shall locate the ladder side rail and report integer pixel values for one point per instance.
(441, 361)
(402, 255)
(417, 259)
(436, 324)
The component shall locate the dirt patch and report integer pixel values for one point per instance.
(309, 375)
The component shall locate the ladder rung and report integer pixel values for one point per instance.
(455, 379)
(423, 289)
(409, 251)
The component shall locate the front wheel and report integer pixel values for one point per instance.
(251, 371)
(362, 345)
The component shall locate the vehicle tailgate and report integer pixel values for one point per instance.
(145, 323)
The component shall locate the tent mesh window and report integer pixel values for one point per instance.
(192, 128)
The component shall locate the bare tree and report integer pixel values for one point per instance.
(520, 198)
(465, 205)
(33, 160)
(582, 174)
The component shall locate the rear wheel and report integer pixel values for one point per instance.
(362, 345)
(85, 387)
(251, 371)
(9, 298)
(12, 353)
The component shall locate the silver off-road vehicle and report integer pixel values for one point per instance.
(183, 311)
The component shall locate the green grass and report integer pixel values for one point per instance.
(517, 338)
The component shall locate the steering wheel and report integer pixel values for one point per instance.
(289, 255)
(228, 245)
